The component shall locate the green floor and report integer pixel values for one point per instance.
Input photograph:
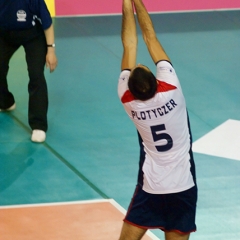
(91, 150)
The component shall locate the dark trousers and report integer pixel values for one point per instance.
(34, 43)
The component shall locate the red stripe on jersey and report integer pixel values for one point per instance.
(127, 97)
(162, 87)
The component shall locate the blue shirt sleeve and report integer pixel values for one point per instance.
(39, 8)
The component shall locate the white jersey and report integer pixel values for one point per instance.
(162, 123)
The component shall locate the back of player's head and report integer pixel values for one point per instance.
(142, 83)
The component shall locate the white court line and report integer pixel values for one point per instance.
(54, 203)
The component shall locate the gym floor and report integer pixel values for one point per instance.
(78, 184)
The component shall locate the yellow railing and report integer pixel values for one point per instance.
(51, 6)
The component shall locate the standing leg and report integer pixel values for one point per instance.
(36, 50)
(176, 236)
(6, 52)
(130, 232)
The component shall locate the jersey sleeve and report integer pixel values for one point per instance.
(39, 8)
(123, 82)
(166, 73)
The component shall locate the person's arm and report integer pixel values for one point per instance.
(128, 35)
(51, 59)
(154, 47)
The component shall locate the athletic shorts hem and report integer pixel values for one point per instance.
(159, 227)
(135, 225)
(180, 232)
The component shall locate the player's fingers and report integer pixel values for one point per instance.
(53, 66)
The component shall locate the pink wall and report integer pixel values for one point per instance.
(96, 7)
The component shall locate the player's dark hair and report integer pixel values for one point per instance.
(142, 84)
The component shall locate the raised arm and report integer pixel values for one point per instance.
(154, 47)
(128, 35)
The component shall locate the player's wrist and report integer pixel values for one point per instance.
(51, 45)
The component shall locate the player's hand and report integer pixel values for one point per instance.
(51, 60)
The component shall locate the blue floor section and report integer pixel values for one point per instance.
(91, 150)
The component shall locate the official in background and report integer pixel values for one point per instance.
(28, 23)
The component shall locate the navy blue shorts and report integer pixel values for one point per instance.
(168, 212)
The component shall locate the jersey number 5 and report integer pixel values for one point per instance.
(157, 135)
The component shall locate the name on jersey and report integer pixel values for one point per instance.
(154, 113)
